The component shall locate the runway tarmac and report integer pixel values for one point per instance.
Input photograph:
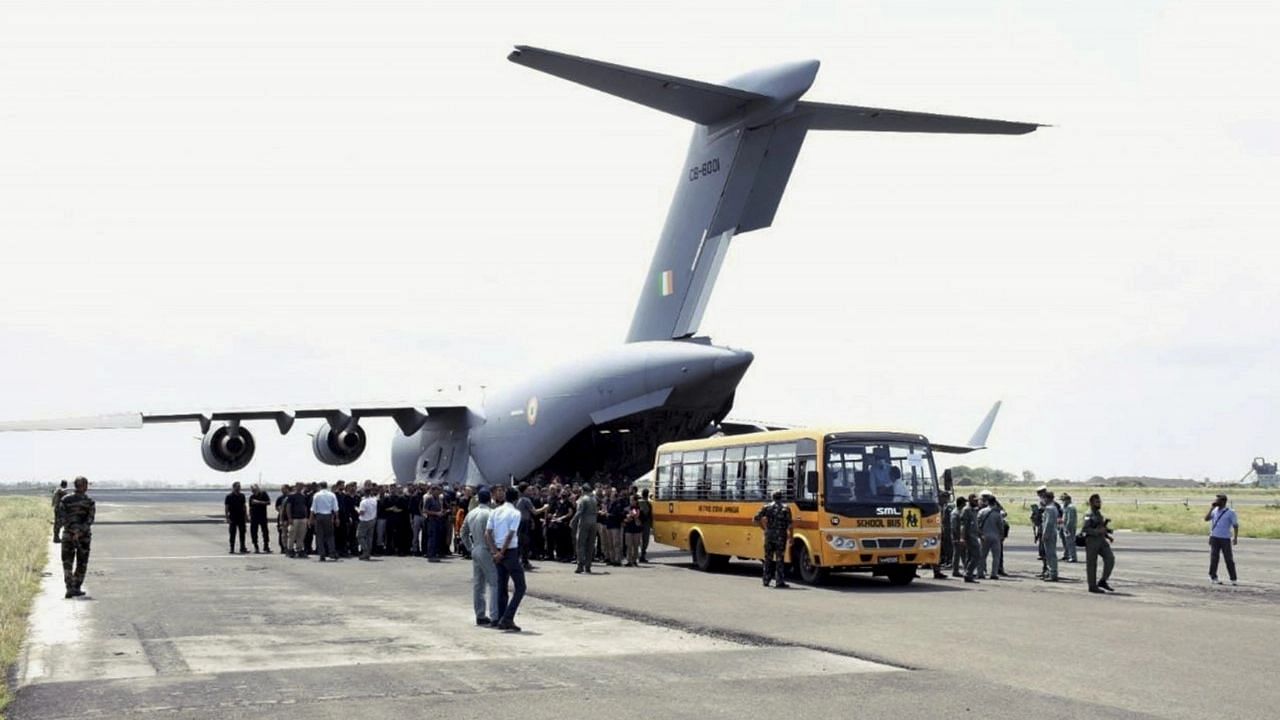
(175, 628)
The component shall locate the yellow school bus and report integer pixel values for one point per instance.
(861, 501)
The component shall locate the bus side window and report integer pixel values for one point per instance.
(735, 473)
(782, 470)
(677, 482)
(755, 473)
(695, 481)
(715, 481)
(662, 483)
(807, 478)
(715, 474)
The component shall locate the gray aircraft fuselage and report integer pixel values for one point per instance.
(607, 412)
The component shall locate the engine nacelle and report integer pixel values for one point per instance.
(227, 449)
(339, 447)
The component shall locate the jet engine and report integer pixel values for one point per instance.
(339, 447)
(227, 448)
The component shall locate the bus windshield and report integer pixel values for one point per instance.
(871, 472)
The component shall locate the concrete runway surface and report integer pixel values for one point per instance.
(175, 628)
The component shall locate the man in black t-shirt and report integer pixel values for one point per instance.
(259, 501)
(398, 526)
(348, 511)
(235, 511)
(449, 501)
(296, 510)
(618, 506)
(525, 505)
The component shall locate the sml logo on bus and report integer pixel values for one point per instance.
(888, 511)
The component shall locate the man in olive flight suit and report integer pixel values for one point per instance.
(959, 547)
(775, 518)
(945, 543)
(1069, 524)
(77, 512)
(1049, 535)
(972, 539)
(1097, 542)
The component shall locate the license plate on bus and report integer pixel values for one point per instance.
(888, 560)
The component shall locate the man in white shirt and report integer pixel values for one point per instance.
(502, 533)
(368, 514)
(484, 572)
(324, 509)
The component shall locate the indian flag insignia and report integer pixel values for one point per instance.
(667, 283)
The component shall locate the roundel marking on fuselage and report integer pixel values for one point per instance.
(531, 410)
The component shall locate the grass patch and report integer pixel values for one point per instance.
(24, 533)
(1167, 510)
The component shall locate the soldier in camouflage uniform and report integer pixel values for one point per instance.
(58, 493)
(77, 513)
(775, 518)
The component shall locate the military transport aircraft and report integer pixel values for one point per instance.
(665, 383)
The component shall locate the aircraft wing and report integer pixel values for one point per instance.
(826, 116)
(979, 439)
(410, 417)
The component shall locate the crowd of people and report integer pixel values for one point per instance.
(361, 520)
(502, 529)
(976, 527)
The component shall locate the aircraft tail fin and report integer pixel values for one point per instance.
(747, 137)
(979, 439)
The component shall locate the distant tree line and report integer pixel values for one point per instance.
(965, 476)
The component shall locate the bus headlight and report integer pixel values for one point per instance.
(840, 542)
(929, 543)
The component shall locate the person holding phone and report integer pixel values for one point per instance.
(1224, 531)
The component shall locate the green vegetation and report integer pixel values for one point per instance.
(966, 476)
(1167, 510)
(24, 531)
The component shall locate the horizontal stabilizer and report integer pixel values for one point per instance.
(979, 439)
(703, 103)
(826, 116)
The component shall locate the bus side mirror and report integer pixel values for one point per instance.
(811, 482)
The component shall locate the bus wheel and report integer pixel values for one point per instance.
(902, 575)
(701, 558)
(808, 573)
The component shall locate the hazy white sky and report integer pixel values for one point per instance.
(211, 204)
